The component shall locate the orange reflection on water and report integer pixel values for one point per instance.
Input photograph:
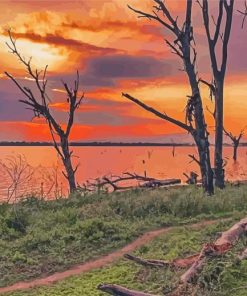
(158, 162)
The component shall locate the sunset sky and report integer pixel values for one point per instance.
(114, 52)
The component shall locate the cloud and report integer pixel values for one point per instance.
(58, 40)
(124, 66)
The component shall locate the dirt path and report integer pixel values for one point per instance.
(100, 262)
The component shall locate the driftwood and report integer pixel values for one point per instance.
(223, 244)
(160, 183)
(192, 178)
(115, 182)
(120, 291)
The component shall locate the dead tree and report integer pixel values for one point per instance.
(244, 13)
(235, 141)
(219, 71)
(184, 47)
(114, 182)
(39, 104)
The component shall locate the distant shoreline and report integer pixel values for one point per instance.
(104, 144)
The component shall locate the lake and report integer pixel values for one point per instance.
(40, 168)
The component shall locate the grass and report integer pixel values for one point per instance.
(40, 237)
(220, 277)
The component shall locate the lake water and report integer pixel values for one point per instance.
(44, 177)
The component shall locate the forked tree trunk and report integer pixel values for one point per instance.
(219, 71)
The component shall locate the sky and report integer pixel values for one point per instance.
(114, 52)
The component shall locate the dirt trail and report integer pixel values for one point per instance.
(100, 262)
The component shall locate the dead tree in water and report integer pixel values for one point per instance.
(219, 72)
(235, 141)
(184, 47)
(39, 104)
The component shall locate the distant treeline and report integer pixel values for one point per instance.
(94, 144)
(105, 144)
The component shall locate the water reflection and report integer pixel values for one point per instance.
(43, 175)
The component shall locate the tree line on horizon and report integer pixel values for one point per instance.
(184, 47)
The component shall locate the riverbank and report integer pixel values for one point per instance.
(38, 238)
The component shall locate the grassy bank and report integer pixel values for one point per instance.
(39, 237)
(221, 276)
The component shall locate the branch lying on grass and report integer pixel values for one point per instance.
(174, 264)
(223, 244)
(219, 247)
(120, 291)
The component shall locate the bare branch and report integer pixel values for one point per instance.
(159, 114)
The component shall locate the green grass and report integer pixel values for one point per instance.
(220, 277)
(38, 237)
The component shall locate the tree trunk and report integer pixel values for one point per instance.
(219, 112)
(235, 152)
(205, 165)
(70, 172)
(200, 135)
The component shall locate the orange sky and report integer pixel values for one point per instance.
(115, 52)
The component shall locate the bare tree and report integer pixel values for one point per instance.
(39, 104)
(235, 141)
(219, 71)
(244, 13)
(17, 174)
(184, 47)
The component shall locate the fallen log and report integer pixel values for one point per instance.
(160, 183)
(223, 244)
(115, 182)
(120, 291)
(174, 264)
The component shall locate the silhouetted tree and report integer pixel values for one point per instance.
(183, 46)
(39, 104)
(235, 141)
(219, 71)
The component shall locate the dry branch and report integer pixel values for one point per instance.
(115, 182)
(120, 291)
(174, 264)
(223, 244)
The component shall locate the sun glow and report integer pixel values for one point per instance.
(42, 54)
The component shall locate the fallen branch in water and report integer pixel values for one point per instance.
(115, 182)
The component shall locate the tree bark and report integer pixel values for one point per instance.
(219, 113)
(66, 158)
(200, 133)
(235, 152)
(219, 72)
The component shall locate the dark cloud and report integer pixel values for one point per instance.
(58, 40)
(12, 109)
(124, 66)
